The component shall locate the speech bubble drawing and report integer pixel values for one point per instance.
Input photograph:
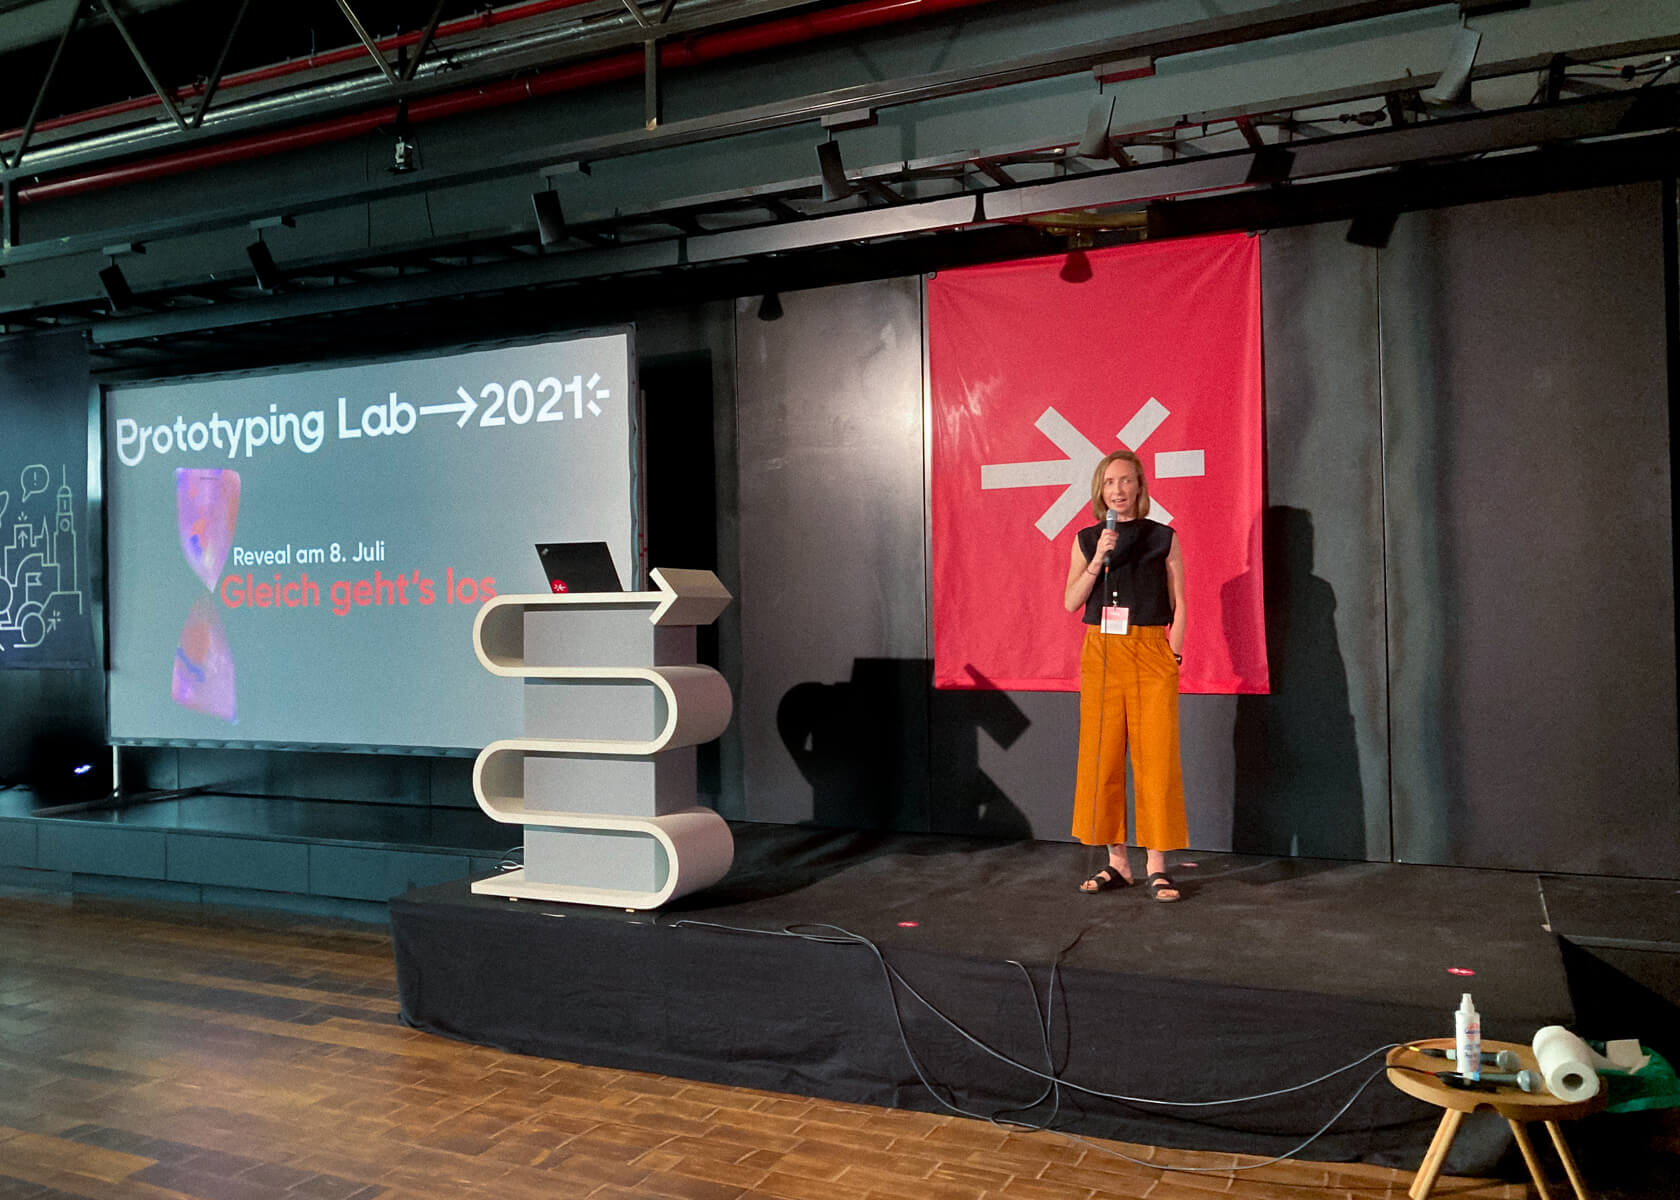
(35, 478)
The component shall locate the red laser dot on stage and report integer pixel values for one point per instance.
(1191, 865)
(1460, 971)
(908, 924)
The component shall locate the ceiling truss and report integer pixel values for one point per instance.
(1105, 180)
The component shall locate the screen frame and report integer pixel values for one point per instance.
(636, 570)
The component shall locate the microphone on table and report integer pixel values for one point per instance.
(1491, 1081)
(1109, 523)
(1505, 1060)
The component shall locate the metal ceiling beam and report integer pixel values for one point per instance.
(488, 277)
(349, 96)
(1387, 91)
(76, 9)
(1656, 110)
(333, 197)
(425, 41)
(1591, 117)
(754, 119)
(1299, 17)
(145, 67)
(926, 216)
(367, 40)
(1193, 36)
(215, 80)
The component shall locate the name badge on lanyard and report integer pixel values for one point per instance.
(1116, 618)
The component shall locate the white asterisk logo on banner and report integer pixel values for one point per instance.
(1081, 453)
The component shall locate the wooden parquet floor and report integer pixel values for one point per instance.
(161, 1053)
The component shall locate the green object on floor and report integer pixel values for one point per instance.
(1653, 1086)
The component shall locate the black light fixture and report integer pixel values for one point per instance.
(551, 219)
(1076, 267)
(405, 155)
(835, 185)
(1372, 227)
(268, 275)
(770, 308)
(117, 291)
(1271, 164)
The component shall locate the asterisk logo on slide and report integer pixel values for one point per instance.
(1082, 454)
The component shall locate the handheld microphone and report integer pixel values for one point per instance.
(1491, 1081)
(1109, 522)
(1505, 1060)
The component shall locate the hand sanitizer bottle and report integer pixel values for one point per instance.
(1467, 1047)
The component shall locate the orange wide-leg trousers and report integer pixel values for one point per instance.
(1128, 699)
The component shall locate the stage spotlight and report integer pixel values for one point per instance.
(1373, 227)
(1453, 87)
(1076, 268)
(770, 308)
(116, 288)
(269, 278)
(405, 155)
(1271, 164)
(551, 219)
(835, 185)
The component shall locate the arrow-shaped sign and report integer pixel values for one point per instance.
(466, 406)
(1080, 450)
(1074, 471)
(688, 597)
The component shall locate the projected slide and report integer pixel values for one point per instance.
(297, 558)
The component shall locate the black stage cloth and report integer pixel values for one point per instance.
(1269, 973)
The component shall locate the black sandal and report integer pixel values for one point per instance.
(1107, 878)
(1160, 882)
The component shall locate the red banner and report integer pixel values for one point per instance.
(1033, 380)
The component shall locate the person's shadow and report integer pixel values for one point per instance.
(886, 750)
(1297, 787)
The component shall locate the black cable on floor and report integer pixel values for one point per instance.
(835, 935)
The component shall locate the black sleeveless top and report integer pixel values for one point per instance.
(1137, 575)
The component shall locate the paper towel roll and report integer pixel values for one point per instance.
(1565, 1063)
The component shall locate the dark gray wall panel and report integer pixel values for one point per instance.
(1207, 735)
(1003, 763)
(1310, 770)
(1531, 574)
(832, 708)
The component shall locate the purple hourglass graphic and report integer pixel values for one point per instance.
(206, 511)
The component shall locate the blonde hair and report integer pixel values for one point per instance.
(1100, 509)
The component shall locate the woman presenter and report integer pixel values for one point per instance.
(1127, 577)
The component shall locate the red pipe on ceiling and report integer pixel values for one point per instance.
(693, 51)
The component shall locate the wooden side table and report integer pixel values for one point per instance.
(1414, 1074)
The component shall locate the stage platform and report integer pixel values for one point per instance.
(1269, 973)
(326, 857)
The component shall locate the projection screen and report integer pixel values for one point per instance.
(297, 558)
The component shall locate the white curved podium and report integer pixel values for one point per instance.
(603, 781)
